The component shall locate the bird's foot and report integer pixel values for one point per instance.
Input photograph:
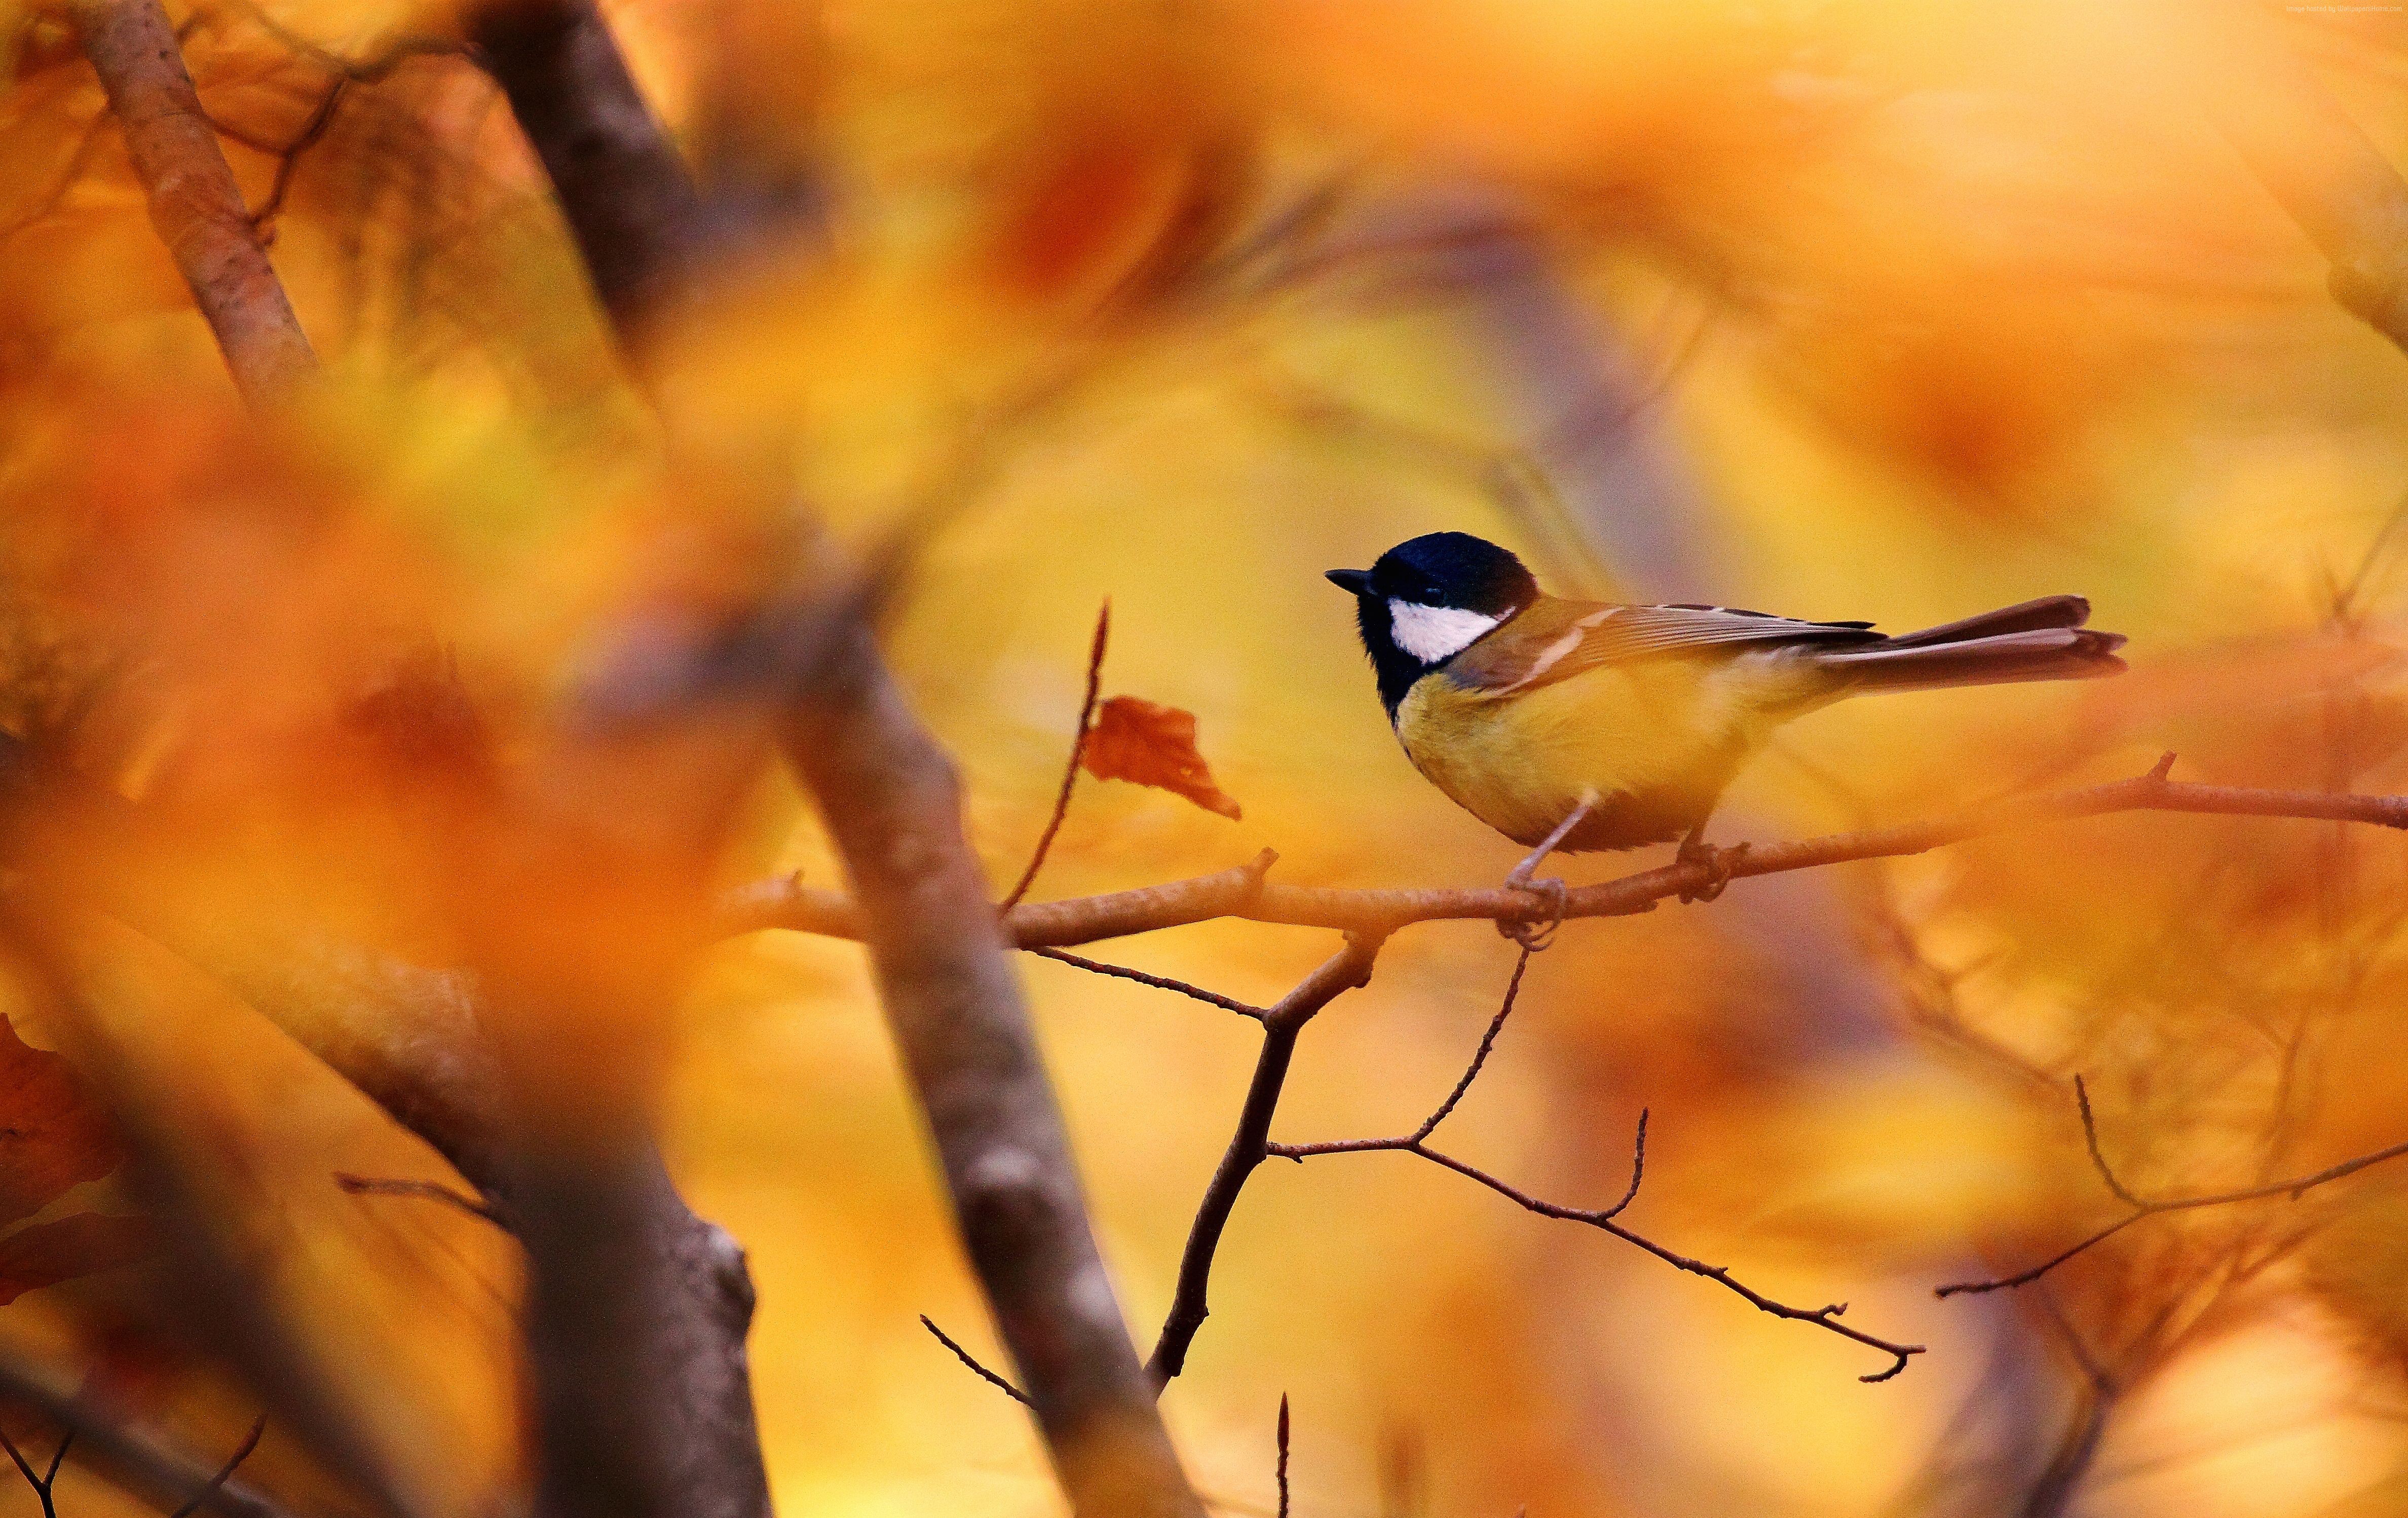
(1534, 937)
(1717, 862)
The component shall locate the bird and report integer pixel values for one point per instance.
(1573, 725)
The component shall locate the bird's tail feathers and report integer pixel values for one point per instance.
(1999, 649)
(2023, 617)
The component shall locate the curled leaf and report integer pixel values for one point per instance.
(1139, 741)
(46, 1253)
(51, 1139)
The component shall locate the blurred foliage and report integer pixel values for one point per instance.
(1910, 308)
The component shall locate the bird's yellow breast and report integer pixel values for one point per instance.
(1666, 733)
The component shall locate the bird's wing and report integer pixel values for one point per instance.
(1557, 640)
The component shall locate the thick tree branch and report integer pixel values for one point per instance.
(416, 1042)
(638, 1313)
(629, 202)
(892, 805)
(2141, 1208)
(893, 808)
(195, 203)
(1350, 967)
(1245, 893)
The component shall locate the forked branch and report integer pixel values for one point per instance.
(1350, 967)
(1418, 1143)
(2141, 1208)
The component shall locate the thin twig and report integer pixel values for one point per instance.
(1417, 1142)
(2141, 1208)
(156, 1474)
(225, 1472)
(70, 174)
(1480, 1056)
(1282, 1456)
(1246, 895)
(1069, 770)
(1603, 1218)
(971, 1360)
(1160, 981)
(433, 1191)
(343, 74)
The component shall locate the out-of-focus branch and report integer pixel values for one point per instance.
(431, 1191)
(1245, 893)
(2317, 162)
(344, 74)
(415, 1042)
(892, 807)
(225, 1472)
(195, 203)
(43, 1483)
(144, 1469)
(1418, 1143)
(629, 202)
(637, 1315)
(1350, 967)
(2141, 1208)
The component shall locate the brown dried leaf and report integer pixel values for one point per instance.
(46, 1253)
(1136, 739)
(51, 1139)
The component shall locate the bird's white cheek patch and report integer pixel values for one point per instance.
(1433, 633)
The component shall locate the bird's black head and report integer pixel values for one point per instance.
(1428, 598)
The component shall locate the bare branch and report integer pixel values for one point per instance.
(43, 1484)
(892, 807)
(433, 1191)
(970, 1360)
(416, 1042)
(629, 202)
(1416, 1143)
(150, 1472)
(1351, 967)
(2142, 1208)
(1282, 1456)
(892, 803)
(1480, 1056)
(1245, 893)
(1160, 981)
(1071, 770)
(225, 1472)
(345, 73)
(2317, 162)
(637, 1314)
(195, 203)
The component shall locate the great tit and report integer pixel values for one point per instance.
(1579, 726)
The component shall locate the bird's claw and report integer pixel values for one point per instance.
(1534, 937)
(1717, 862)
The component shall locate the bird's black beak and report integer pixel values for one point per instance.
(1352, 582)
